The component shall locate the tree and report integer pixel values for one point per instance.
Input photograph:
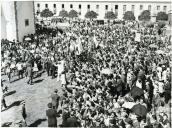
(91, 15)
(162, 16)
(63, 13)
(144, 16)
(73, 14)
(110, 15)
(46, 13)
(129, 15)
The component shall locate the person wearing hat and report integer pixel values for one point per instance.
(52, 116)
(55, 99)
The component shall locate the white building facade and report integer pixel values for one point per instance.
(102, 6)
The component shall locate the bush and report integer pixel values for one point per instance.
(129, 15)
(162, 16)
(91, 15)
(46, 13)
(63, 13)
(144, 16)
(73, 14)
(110, 15)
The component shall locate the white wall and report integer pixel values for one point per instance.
(3, 25)
(25, 11)
(8, 20)
(102, 3)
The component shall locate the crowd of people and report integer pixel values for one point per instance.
(111, 75)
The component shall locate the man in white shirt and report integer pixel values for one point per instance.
(20, 69)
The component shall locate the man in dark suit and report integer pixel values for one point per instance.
(51, 114)
(72, 121)
(65, 116)
(55, 99)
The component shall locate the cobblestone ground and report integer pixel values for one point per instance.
(36, 96)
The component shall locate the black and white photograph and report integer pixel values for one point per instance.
(86, 63)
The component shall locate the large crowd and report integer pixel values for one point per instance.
(111, 75)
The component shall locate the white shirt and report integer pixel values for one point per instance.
(19, 66)
(139, 84)
(161, 87)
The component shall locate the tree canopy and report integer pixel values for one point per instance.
(46, 13)
(110, 15)
(144, 16)
(129, 15)
(91, 15)
(73, 14)
(162, 16)
(63, 13)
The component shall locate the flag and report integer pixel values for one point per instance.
(95, 41)
(79, 46)
(137, 37)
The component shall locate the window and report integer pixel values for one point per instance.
(62, 6)
(97, 6)
(54, 5)
(79, 6)
(116, 10)
(26, 22)
(71, 6)
(106, 7)
(149, 7)
(38, 5)
(158, 7)
(165, 8)
(116, 7)
(141, 7)
(88, 6)
(132, 8)
(124, 8)
(46, 5)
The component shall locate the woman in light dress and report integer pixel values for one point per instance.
(61, 72)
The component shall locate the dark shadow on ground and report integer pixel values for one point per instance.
(16, 103)
(10, 93)
(38, 81)
(15, 80)
(37, 122)
(7, 124)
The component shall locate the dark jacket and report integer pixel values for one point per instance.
(52, 114)
(72, 122)
(65, 116)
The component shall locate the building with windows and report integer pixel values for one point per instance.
(102, 6)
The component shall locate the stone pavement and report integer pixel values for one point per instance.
(36, 96)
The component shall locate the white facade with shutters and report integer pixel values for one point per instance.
(101, 6)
